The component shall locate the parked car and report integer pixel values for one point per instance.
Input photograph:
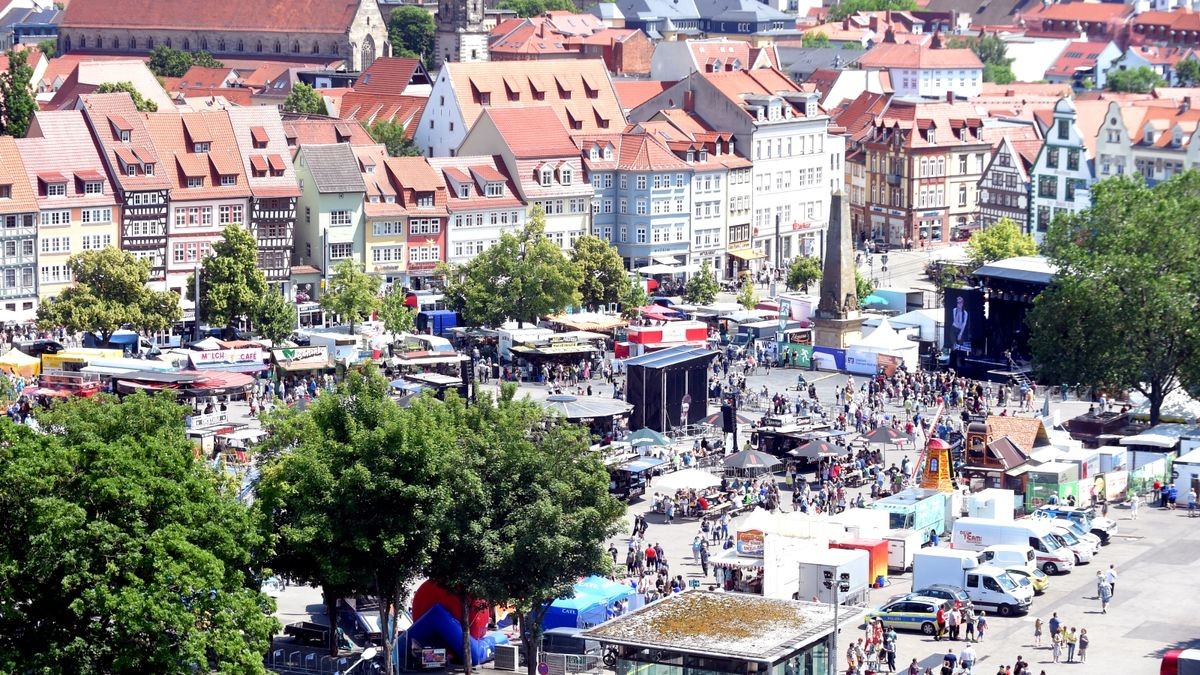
(943, 591)
(1036, 577)
(910, 612)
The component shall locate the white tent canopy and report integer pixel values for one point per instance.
(884, 339)
(863, 357)
(1176, 407)
(687, 479)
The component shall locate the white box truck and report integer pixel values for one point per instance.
(988, 586)
(976, 534)
(902, 545)
(994, 503)
(818, 566)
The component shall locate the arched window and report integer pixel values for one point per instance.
(316, 47)
(278, 47)
(99, 41)
(368, 52)
(83, 42)
(241, 46)
(116, 42)
(258, 46)
(150, 43)
(67, 43)
(296, 47)
(167, 42)
(204, 44)
(187, 45)
(334, 49)
(221, 44)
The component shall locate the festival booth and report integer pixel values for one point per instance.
(669, 388)
(884, 348)
(301, 359)
(641, 340)
(1153, 451)
(589, 605)
(877, 556)
(1060, 479)
(18, 363)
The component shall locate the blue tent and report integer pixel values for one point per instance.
(576, 612)
(607, 589)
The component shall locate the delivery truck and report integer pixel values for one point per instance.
(917, 509)
(989, 587)
(820, 565)
(902, 546)
(976, 534)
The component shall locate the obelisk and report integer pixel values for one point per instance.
(837, 323)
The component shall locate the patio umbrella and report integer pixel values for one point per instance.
(885, 435)
(688, 479)
(643, 442)
(654, 437)
(751, 459)
(817, 449)
(739, 418)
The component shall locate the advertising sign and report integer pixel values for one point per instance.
(785, 312)
(750, 543)
(964, 318)
(433, 658)
(220, 356)
(889, 363)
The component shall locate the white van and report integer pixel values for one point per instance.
(976, 534)
(1074, 526)
(1009, 555)
(987, 586)
(1083, 550)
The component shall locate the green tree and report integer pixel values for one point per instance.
(1140, 80)
(304, 99)
(1120, 312)
(1187, 72)
(525, 8)
(49, 47)
(358, 491)
(140, 102)
(205, 60)
(167, 62)
(633, 297)
(396, 315)
(746, 296)
(122, 553)
(110, 291)
(1087, 84)
(352, 294)
(702, 288)
(847, 7)
(814, 40)
(534, 512)
(1003, 239)
(524, 277)
(602, 272)
(993, 52)
(231, 284)
(863, 286)
(412, 30)
(274, 316)
(391, 135)
(17, 103)
(805, 270)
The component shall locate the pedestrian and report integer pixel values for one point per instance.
(1056, 646)
(966, 658)
(1072, 641)
(1134, 503)
(704, 560)
(1037, 632)
(1104, 592)
(954, 621)
(1054, 624)
(1021, 667)
(696, 547)
(940, 620)
(1110, 576)
(981, 625)
(969, 622)
(914, 668)
(889, 650)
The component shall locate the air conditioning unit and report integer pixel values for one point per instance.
(507, 658)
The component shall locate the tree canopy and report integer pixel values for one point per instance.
(120, 552)
(412, 31)
(396, 315)
(526, 8)
(633, 297)
(1140, 80)
(863, 286)
(351, 293)
(48, 47)
(304, 99)
(231, 284)
(1120, 312)
(140, 102)
(274, 317)
(847, 7)
(805, 270)
(814, 40)
(111, 290)
(993, 52)
(167, 62)
(17, 103)
(1187, 72)
(602, 272)
(524, 277)
(747, 297)
(1003, 239)
(701, 288)
(391, 135)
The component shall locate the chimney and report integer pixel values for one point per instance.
(688, 100)
(949, 97)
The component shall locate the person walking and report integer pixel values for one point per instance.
(969, 622)
(1110, 576)
(1054, 624)
(1083, 645)
(889, 649)
(940, 620)
(981, 626)
(966, 657)
(1104, 591)
(1037, 632)
(1134, 503)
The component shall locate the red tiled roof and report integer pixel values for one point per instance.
(99, 109)
(59, 141)
(490, 169)
(318, 130)
(488, 172)
(532, 132)
(253, 121)
(293, 16)
(167, 129)
(414, 173)
(387, 75)
(259, 135)
(1081, 11)
(199, 77)
(276, 162)
(1180, 19)
(12, 173)
(889, 55)
(240, 96)
(368, 107)
(632, 93)
(258, 162)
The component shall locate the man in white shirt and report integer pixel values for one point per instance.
(966, 658)
(1111, 577)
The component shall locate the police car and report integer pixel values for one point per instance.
(910, 612)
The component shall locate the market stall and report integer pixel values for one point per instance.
(17, 363)
(883, 348)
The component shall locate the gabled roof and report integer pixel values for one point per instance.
(632, 93)
(262, 124)
(321, 130)
(388, 75)
(533, 132)
(1081, 11)
(87, 76)
(593, 100)
(100, 110)
(858, 117)
(415, 173)
(59, 141)
(737, 85)
(636, 151)
(270, 16)
(1026, 433)
(471, 171)
(12, 173)
(1076, 57)
(1160, 56)
(334, 168)
(174, 134)
(368, 107)
(890, 55)
(199, 77)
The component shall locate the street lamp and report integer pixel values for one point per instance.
(368, 654)
(839, 586)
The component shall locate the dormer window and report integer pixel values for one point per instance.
(932, 136)
(389, 199)
(691, 155)
(195, 182)
(201, 147)
(703, 154)
(131, 169)
(93, 187)
(464, 191)
(425, 200)
(564, 175)
(962, 134)
(608, 152)
(547, 176)
(228, 180)
(5, 192)
(56, 189)
(494, 189)
(124, 136)
(149, 169)
(594, 153)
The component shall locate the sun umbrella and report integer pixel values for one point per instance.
(653, 436)
(688, 479)
(885, 435)
(643, 442)
(817, 449)
(751, 459)
(715, 419)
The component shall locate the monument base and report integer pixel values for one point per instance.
(837, 333)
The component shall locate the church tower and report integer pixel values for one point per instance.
(461, 35)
